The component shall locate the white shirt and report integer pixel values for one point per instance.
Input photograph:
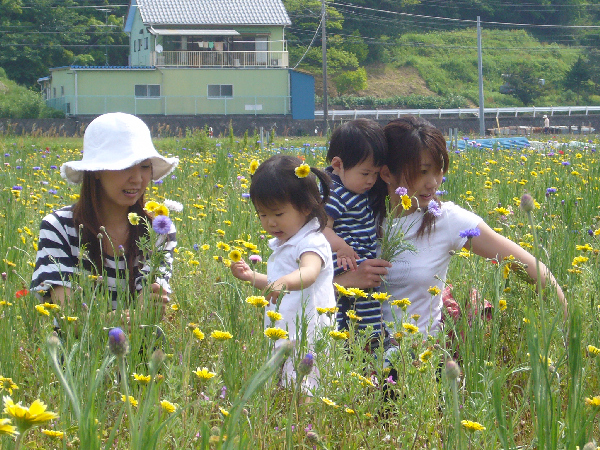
(284, 260)
(412, 274)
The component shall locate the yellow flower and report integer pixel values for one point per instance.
(42, 310)
(579, 260)
(205, 247)
(502, 304)
(584, 248)
(220, 232)
(364, 381)
(224, 411)
(204, 373)
(593, 402)
(133, 218)
(381, 296)
(257, 300)
(327, 310)
(168, 406)
(412, 329)
(426, 355)
(302, 170)
(161, 210)
(25, 417)
(235, 256)
(406, 202)
(329, 402)
(352, 315)
(223, 246)
(402, 303)
(472, 426)
(415, 317)
(253, 166)
(175, 307)
(349, 411)
(358, 293)
(274, 316)
(593, 351)
(132, 400)
(151, 206)
(7, 384)
(342, 290)
(275, 333)
(54, 434)
(144, 379)
(221, 335)
(198, 334)
(339, 335)
(7, 428)
(434, 290)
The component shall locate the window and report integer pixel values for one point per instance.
(62, 91)
(146, 43)
(147, 90)
(220, 90)
(135, 46)
(140, 44)
(53, 92)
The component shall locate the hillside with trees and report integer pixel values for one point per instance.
(534, 53)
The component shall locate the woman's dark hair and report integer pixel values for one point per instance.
(86, 212)
(357, 140)
(407, 136)
(275, 182)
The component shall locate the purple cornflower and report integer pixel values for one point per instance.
(255, 259)
(306, 365)
(53, 167)
(245, 195)
(161, 224)
(434, 208)
(470, 233)
(550, 190)
(401, 191)
(195, 247)
(36, 168)
(158, 182)
(223, 391)
(52, 191)
(117, 342)
(17, 188)
(566, 163)
(438, 193)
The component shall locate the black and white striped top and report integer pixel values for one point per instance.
(58, 259)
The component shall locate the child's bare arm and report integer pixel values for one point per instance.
(242, 271)
(306, 274)
(346, 256)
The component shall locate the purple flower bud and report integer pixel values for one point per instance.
(255, 259)
(401, 191)
(452, 370)
(117, 342)
(527, 203)
(306, 365)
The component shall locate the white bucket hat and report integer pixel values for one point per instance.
(117, 141)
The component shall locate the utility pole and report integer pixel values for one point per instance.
(324, 50)
(105, 11)
(480, 73)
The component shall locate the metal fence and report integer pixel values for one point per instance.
(458, 112)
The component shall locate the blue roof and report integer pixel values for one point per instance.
(213, 12)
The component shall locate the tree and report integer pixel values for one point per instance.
(577, 75)
(351, 81)
(525, 84)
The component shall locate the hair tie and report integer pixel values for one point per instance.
(302, 170)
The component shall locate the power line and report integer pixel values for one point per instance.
(450, 19)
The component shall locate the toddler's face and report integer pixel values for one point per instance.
(283, 221)
(360, 178)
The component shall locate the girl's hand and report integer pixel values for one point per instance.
(346, 257)
(368, 275)
(242, 271)
(158, 298)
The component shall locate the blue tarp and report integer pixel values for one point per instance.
(514, 142)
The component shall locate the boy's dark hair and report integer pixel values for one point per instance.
(357, 140)
(275, 182)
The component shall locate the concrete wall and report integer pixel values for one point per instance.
(284, 125)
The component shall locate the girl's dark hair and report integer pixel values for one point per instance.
(357, 140)
(86, 212)
(407, 136)
(275, 182)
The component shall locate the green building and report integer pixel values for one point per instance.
(190, 57)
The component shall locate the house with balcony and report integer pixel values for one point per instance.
(192, 57)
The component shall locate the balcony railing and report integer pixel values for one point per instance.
(238, 59)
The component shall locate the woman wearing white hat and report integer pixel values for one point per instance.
(119, 160)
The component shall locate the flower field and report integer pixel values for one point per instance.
(514, 375)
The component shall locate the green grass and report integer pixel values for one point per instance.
(507, 383)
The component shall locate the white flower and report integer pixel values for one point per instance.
(172, 205)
